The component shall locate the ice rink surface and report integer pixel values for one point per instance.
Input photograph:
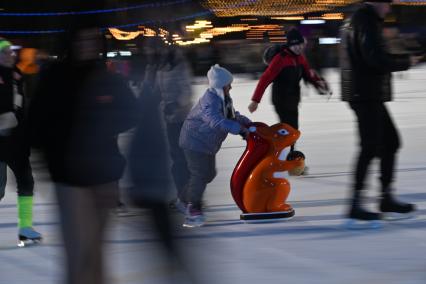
(313, 247)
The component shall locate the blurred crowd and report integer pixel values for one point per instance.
(71, 109)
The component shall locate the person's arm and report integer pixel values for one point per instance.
(309, 74)
(372, 49)
(312, 77)
(242, 119)
(274, 68)
(213, 115)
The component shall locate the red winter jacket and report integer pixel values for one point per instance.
(285, 72)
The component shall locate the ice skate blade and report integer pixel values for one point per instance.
(393, 216)
(355, 224)
(127, 214)
(267, 217)
(192, 225)
(28, 242)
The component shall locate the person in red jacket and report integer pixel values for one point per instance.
(285, 71)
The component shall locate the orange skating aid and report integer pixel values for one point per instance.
(258, 183)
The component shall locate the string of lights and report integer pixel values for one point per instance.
(147, 22)
(93, 12)
(30, 32)
(283, 8)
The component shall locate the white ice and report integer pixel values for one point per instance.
(313, 247)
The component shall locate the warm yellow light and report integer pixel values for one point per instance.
(123, 35)
(279, 8)
(333, 16)
(294, 18)
(199, 24)
(410, 2)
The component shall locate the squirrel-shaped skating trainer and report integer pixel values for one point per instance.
(258, 184)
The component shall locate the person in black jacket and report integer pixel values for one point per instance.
(366, 69)
(14, 147)
(76, 115)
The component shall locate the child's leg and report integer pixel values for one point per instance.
(202, 168)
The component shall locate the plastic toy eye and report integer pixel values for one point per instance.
(252, 129)
(282, 132)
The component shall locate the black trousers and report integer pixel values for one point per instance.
(378, 138)
(287, 114)
(21, 168)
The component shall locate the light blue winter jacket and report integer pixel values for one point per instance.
(206, 127)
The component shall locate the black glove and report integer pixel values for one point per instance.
(244, 133)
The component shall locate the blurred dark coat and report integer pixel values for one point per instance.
(15, 143)
(149, 157)
(366, 66)
(174, 82)
(76, 115)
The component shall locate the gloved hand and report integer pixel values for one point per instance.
(322, 87)
(244, 133)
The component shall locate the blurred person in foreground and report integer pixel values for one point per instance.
(366, 69)
(174, 83)
(76, 115)
(149, 159)
(14, 145)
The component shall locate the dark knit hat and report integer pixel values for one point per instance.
(294, 37)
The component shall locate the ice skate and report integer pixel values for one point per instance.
(193, 217)
(396, 210)
(178, 205)
(28, 236)
(360, 218)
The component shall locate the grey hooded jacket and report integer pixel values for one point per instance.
(206, 126)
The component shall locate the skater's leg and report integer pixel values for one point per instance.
(202, 168)
(390, 146)
(22, 171)
(162, 223)
(77, 230)
(3, 178)
(82, 229)
(105, 197)
(21, 168)
(391, 143)
(179, 168)
(369, 129)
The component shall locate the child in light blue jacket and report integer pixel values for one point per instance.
(202, 134)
